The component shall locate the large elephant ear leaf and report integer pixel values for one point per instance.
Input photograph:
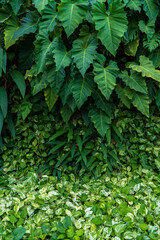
(40, 4)
(111, 24)
(11, 27)
(81, 88)
(141, 102)
(61, 55)
(15, 4)
(135, 81)
(71, 14)
(43, 49)
(100, 119)
(49, 17)
(146, 68)
(28, 25)
(133, 4)
(105, 77)
(83, 54)
(151, 8)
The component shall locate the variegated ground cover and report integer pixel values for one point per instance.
(125, 206)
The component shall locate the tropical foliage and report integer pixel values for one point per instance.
(84, 55)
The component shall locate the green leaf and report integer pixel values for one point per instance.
(49, 17)
(55, 78)
(67, 222)
(121, 94)
(102, 103)
(120, 228)
(18, 78)
(133, 4)
(81, 88)
(70, 232)
(40, 4)
(1, 120)
(152, 43)
(50, 97)
(141, 102)
(3, 101)
(106, 77)
(100, 120)
(19, 233)
(97, 220)
(146, 68)
(44, 49)
(28, 25)
(71, 14)
(15, 4)
(1, 60)
(134, 81)
(143, 226)
(131, 48)
(151, 8)
(25, 108)
(11, 27)
(148, 29)
(5, 13)
(111, 24)
(11, 125)
(83, 54)
(61, 56)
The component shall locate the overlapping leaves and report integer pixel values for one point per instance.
(86, 54)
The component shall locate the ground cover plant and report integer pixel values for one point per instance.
(125, 206)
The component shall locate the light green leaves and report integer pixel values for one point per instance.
(40, 4)
(28, 25)
(61, 56)
(134, 81)
(18, 78)
(49, 17)
(100, 120)
(71, 14)
(106, 77)
(81, 87)
(3, 101)
(111, 24)
(146, 68)
(83, 54)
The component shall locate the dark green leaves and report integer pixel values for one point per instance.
(61, 56)
(3, 101)
(83, 54)
(16, 4)
(28, 25)
(111, 24)
(106, 77)
(18, 78)
(71, 14)
(49, 17)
